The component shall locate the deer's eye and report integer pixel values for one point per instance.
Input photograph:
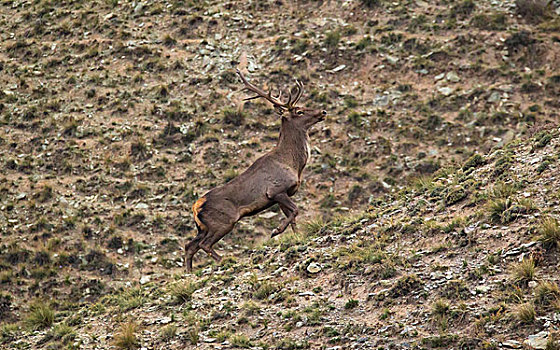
(299, 112)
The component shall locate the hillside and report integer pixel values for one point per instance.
(433, 176)
(465, 260)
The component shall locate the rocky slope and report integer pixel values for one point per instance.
(115, 115)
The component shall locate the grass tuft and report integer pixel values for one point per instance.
(440, 307)
(524, 271)
(351, 304)
(169, 332)
(547, 293)
(240, 341)
(40, 315)
(549, 232)
(182, 291)
(126, 337)
(193, 334)
(525, 313)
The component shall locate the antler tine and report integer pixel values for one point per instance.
(251, 98)
(261, 93)
(299, 86)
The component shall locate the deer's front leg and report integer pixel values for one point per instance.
(289, 208)
(286, 212)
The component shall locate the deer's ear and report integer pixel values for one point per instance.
(279, 111)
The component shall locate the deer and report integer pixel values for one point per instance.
(271, 179)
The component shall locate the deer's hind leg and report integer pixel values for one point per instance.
(217, 233)
(194, 246)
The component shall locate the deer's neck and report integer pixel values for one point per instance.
(293, 147)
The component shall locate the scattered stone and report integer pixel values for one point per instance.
(165, 320)
(445, 90)
(452, 77)
(512, 344)
(537, 341)
(439, 76)
(144, 279)
(483, 289)
(139, 8)
(392, 60)
(338, 68)
(385, 185)
(313, 268)
(268, 215)
(381, 100)
(495, 97)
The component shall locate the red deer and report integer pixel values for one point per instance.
(271, 179)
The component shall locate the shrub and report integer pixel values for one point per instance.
(534, 11)
(372, 3)
(473, 162)
(364, 43)
(496, 21)
(464, 8)
(233, 117)
(332, 39)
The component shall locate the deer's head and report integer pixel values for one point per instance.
(300, 117)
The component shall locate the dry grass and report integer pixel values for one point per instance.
(440, 307)
(193, 334)
(126, 337)
(524, 271)
(549, 232)
(169, 332)
(525, 313)
(182, 291)
(547, 293)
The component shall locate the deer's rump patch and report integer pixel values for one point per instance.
(197, 207)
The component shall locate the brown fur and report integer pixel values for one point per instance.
(271, 179)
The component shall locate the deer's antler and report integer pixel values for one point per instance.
(276, 101)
